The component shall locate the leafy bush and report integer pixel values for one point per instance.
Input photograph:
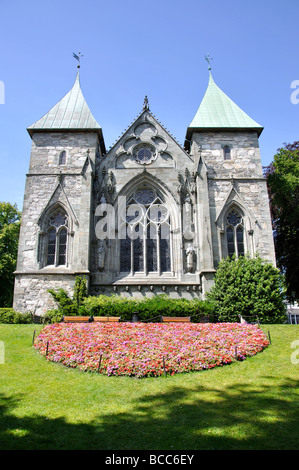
(151, 308)
(53, 316)
(8, 315)
(248, 287)
(66, 304)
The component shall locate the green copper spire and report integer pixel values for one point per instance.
(218, 111)
(70, 113)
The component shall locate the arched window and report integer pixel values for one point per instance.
(226, 152)
(145, 246)
(57, 239)
(62, 158)
(235, 233)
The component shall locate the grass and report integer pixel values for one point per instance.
(245, 405)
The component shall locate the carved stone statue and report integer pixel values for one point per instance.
(190, 259)
(101, 254)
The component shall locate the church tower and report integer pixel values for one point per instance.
(54, 243)
(224, 141)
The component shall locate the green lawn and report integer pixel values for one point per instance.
(245, 405)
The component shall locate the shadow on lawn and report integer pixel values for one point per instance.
(240, 417)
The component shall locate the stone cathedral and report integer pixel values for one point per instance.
(146, 217)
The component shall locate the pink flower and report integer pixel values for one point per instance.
(137, 349)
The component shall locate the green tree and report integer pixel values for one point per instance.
(283, 187)
(80, 291)
(9, 239)
(249, 287)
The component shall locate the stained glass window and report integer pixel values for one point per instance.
(62, 246)
(51, 246)
(144, 155)
(151, 250)
(57, 239)
(230, 241)
(125, 254)
(165, 248)
(150, 236)
(234, 218)
(138, 254)
(235, 233)
(240, 243)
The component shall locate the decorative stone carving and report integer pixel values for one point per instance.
(190, 259)
(101, 254)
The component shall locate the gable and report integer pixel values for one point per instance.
(146, 136)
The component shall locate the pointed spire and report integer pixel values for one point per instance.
(71, 112)
(218, 111)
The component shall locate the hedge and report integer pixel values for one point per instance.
(9, 315)
(151, 308)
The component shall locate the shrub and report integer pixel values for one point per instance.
(68, 305)
(151, 308)
(53, 316)
(8, 315)
(249, 287)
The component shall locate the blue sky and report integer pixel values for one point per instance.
(136, 48)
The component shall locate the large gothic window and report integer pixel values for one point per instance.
(145, 242)
(57, 239)
(235, 233)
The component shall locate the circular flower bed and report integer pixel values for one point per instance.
(148, 349)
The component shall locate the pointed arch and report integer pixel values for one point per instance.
(235, 230)
(53, 243)
(234, 199)
(145, 203)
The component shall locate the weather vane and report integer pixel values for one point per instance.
(77, 57)
(208, 59)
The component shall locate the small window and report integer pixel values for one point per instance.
(226, 151)
(62, 158)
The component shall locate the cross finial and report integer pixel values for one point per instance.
(145, 103)
(208, 59)
(77, 57)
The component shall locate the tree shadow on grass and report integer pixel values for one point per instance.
(238, 417)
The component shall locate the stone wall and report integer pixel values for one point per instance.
(31, 291)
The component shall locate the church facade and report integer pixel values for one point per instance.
(147, 217)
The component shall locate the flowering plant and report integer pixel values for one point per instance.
(148, 349)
